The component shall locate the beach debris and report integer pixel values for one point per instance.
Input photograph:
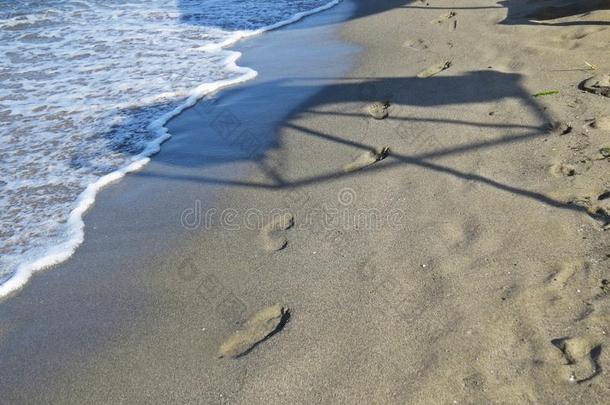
(434, 69)
(273, 239)
(379, 109)
(580, 358)
(602, 123)
(367, 159)
(546, 93)
(605, 152)
(599, 84)
(258, 328)
(591, 66)
(444, 17)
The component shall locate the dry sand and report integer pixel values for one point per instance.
(471, 265)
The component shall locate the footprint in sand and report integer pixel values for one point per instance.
(379, 109)
(474, 382)
(601, 213)
(461, 235)
(604, 196)
(599, 84)
(561, 128)
(416, 45)
(572, 168)
(272, 233)
(257, 329)
(602, 123)
(580, 33)
(367, 159)
(598, 207)
(444, 17)
(580, 358)
(566, 271)
(562, 169)
(434, 69)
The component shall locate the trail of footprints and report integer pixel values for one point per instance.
(581, 358)
(597, 206)
(584, 160)
(273, 235)
(567, 294)
(576, 355)
(573, 302)
(580, 353)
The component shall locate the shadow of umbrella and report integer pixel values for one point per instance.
(521, 12)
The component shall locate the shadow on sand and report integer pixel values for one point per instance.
(234, 135)
(538, 12)
(230, 135)
(542, 11)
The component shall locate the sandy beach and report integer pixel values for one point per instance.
(470, 264)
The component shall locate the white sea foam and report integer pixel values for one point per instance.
(87, 87)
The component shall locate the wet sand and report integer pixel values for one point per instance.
(470, 265)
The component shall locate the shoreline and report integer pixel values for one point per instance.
(72, 290)
(486, 288)
(57, 254)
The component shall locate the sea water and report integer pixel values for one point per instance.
(85, 90)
